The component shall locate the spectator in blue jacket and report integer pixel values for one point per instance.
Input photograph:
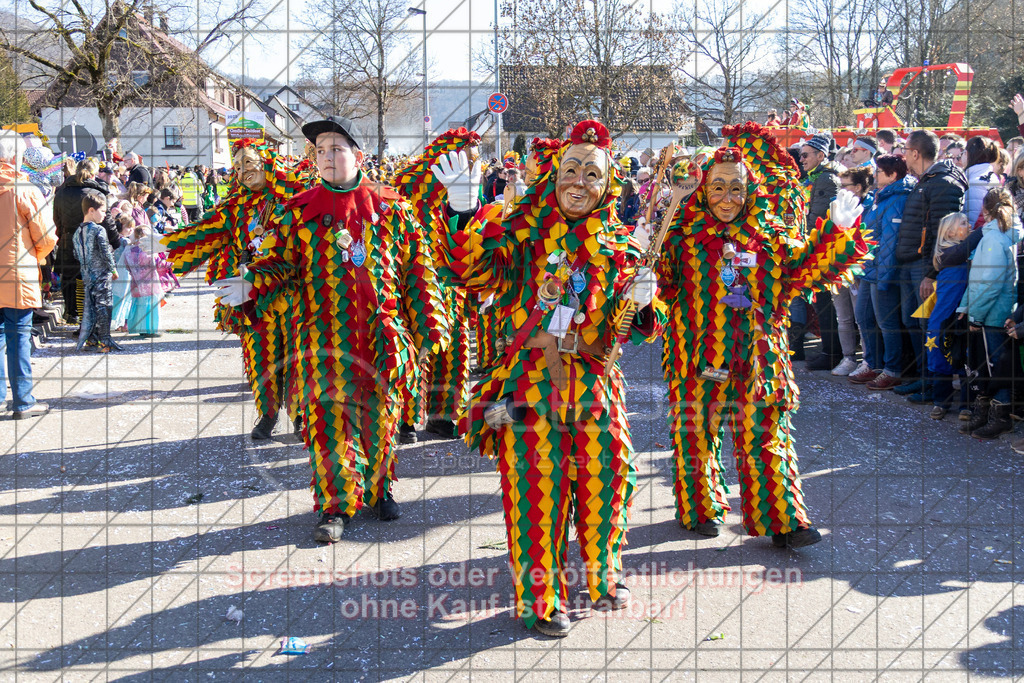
(880, 311)
(988, 303)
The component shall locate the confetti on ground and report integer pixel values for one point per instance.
(716, 636)
(855, 610)
(818, 447)
(1003, 561)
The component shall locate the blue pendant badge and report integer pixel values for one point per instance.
(728, 275)
(358, 253)
(577, 281)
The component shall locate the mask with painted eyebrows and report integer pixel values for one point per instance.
(726, 190)
(582, 180)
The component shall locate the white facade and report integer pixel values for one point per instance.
(162, 135)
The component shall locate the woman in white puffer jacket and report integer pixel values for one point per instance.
(981, 176)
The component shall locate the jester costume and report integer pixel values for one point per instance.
(569, 453)
(726, 356)
(229, 236)
(443, 382)
(351, 264)
(489, 319)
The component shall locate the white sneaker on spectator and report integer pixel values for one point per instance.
(863, 367)
(845, 367)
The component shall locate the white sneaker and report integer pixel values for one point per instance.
(845, 367)
(863, 367)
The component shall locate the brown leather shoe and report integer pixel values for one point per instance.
(865, 376)
(884, 382)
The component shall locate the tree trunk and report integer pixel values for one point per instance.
(111, 124)
(381, 98)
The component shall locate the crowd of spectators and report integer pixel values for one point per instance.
(936, 313)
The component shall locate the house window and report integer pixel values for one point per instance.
(172, 137)
(140, 78)
(294, 106)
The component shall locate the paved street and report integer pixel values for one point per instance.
(137, 513)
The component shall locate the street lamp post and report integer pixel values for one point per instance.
(426, 97)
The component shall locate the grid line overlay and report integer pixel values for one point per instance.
(915, 578)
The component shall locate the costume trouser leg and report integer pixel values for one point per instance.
(446, 381)
(488, 328)
(772, 501)
(696, 422)
(546, 469)
(352, 454)
(263, 351)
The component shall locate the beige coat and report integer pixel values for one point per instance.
(27, 236)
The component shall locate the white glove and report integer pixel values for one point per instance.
(460, 179)
(642, 233)
(845, 209)
(233, 291)
(644, 287)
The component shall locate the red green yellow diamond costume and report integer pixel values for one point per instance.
(561, 275)
(228, 236)
(489, 328)
(350, 262)
(443, 385)
(728, 272)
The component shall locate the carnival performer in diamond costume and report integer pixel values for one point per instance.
(228, 237)
(565, 273)
(350, 256)
(729, 269)
(443, 388)
(489, 324)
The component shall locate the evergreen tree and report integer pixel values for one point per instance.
(13, 103)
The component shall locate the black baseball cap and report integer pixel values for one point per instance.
(333, 124)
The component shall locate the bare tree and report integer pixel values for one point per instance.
(119, 54)
(727, 62)
(607, 59)
(838, 40)
(362, 60)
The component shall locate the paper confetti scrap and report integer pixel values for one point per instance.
(294, 646)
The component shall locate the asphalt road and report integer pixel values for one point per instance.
(136, 514)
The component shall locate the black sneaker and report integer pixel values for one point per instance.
(386, 510)
(264, 428)
(608, 603)
(708, 528)
(557, 626)
(446, 429)
(330, 528)
(407, 434)
(796, 539)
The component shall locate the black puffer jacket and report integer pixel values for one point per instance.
(824, 188)
(938, 193)
(67, 215)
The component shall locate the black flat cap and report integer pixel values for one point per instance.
(333, 124)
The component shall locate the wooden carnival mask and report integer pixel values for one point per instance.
(248, 167)
(726, 190)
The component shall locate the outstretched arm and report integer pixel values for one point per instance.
(421, 303)
(832, 247)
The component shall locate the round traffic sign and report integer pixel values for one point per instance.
(497, 103)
